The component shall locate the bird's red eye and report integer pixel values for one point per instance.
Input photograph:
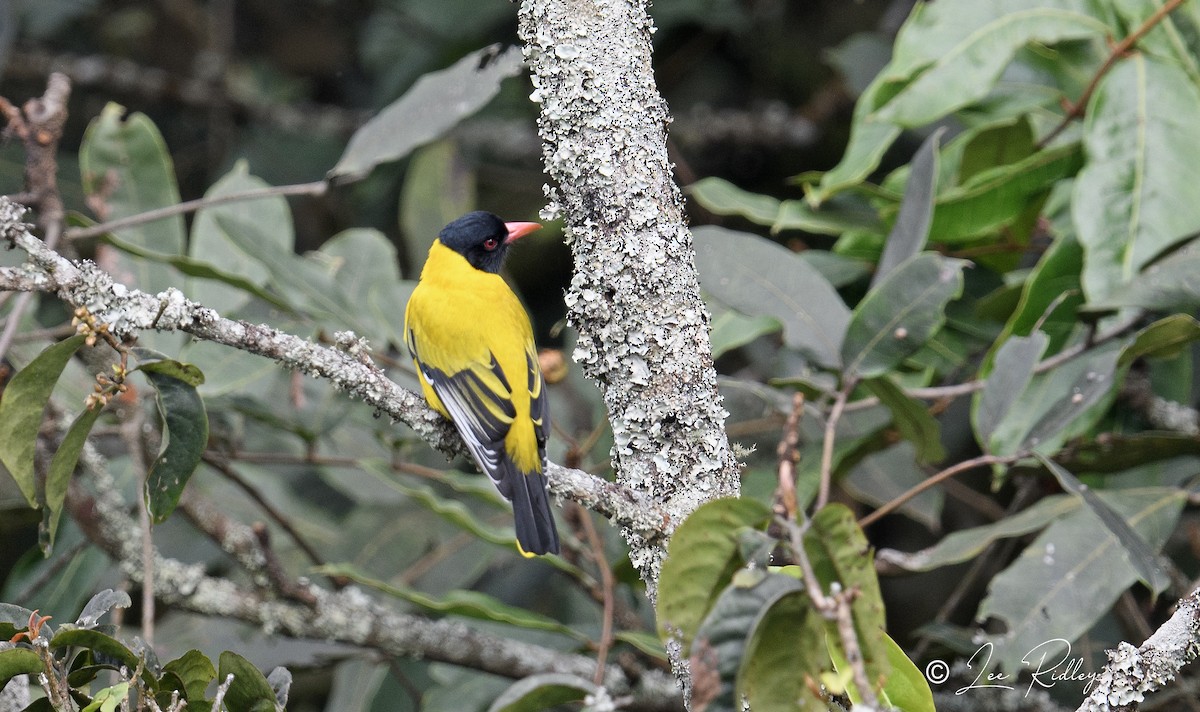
(490, 244)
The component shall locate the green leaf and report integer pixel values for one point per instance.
(870, 138)
(911, 418)
(185, 436)
(108, 699)
(195, 671)
(1073, 572)
(731, 330)
(785, 654)
(434, 105)
(1012, 371)
(62, 466)
(702, 556)
(21, 406)
(1170, 284)
(966, 544)
(1060, 403)
(106, 645)
(906, 687)
(438, 187)
(127, 168)
(718, 654)
(838, 214)
(467, 604)
(760, 278)
(997, 197)
(967, 65)
(840, 554)
(263, 226)
(1133, 199)
(250, 691)
(911, 230)
(1165, 338)
(1117, 452)
(899, 315)
(18, 661)
(367, 278)
(1144, 559)
(721, 197)
(543, 692)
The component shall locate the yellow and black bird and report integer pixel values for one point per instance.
(473, 346)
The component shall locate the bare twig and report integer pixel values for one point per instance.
(935, 479)
(831, 423)
(785, 494)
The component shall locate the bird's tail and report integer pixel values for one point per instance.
(536, 533)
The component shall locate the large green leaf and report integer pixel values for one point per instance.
(62, 466)
(21, 408)
(760, 278)
(973, 45)
(785, 655)
(1141, 557)
(870, 138)
(721, 197)
(127, 169)
(434, 104)
(19, 661)
(185, 435)
(118, 653)
(265, 227)
(1012, 370)
(438, 187)
(1133, 199)
(731, 329)
(701, 559)
(1073, 572)
(899, 315)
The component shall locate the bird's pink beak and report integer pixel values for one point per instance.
(517, 230)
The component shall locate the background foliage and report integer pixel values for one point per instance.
(992, 280)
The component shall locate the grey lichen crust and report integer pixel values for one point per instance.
(635, 298)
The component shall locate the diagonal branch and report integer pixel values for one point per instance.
(129, 311)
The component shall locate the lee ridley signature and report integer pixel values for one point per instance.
(1047, 663)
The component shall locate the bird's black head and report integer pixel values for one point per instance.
(483, 238)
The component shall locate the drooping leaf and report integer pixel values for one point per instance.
(1164, 338)
(21, 406)
(840, 554)
(19, 661)
(899, 315)
(250, 691)
(718, 653)
(760, 278)
(785, 655)
(911, 418)
(1054, 282)
(1143, 559)
(185, 436)
(1133, 199)
(844, 212)
(260, 223)
(911, 230)
(701, 558)
(543, 692)
(127, 168)
(434, 104)
(62, 467)
(438, 187)
(721, 197)
(1073, 572)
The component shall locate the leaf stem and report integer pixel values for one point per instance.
(315, 188)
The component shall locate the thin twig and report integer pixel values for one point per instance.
(785, 494)
(926, 484)
(835, 414)
(607, 584)
(315, 188)
(1076, 110)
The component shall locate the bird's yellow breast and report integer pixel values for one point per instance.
(462, 318)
